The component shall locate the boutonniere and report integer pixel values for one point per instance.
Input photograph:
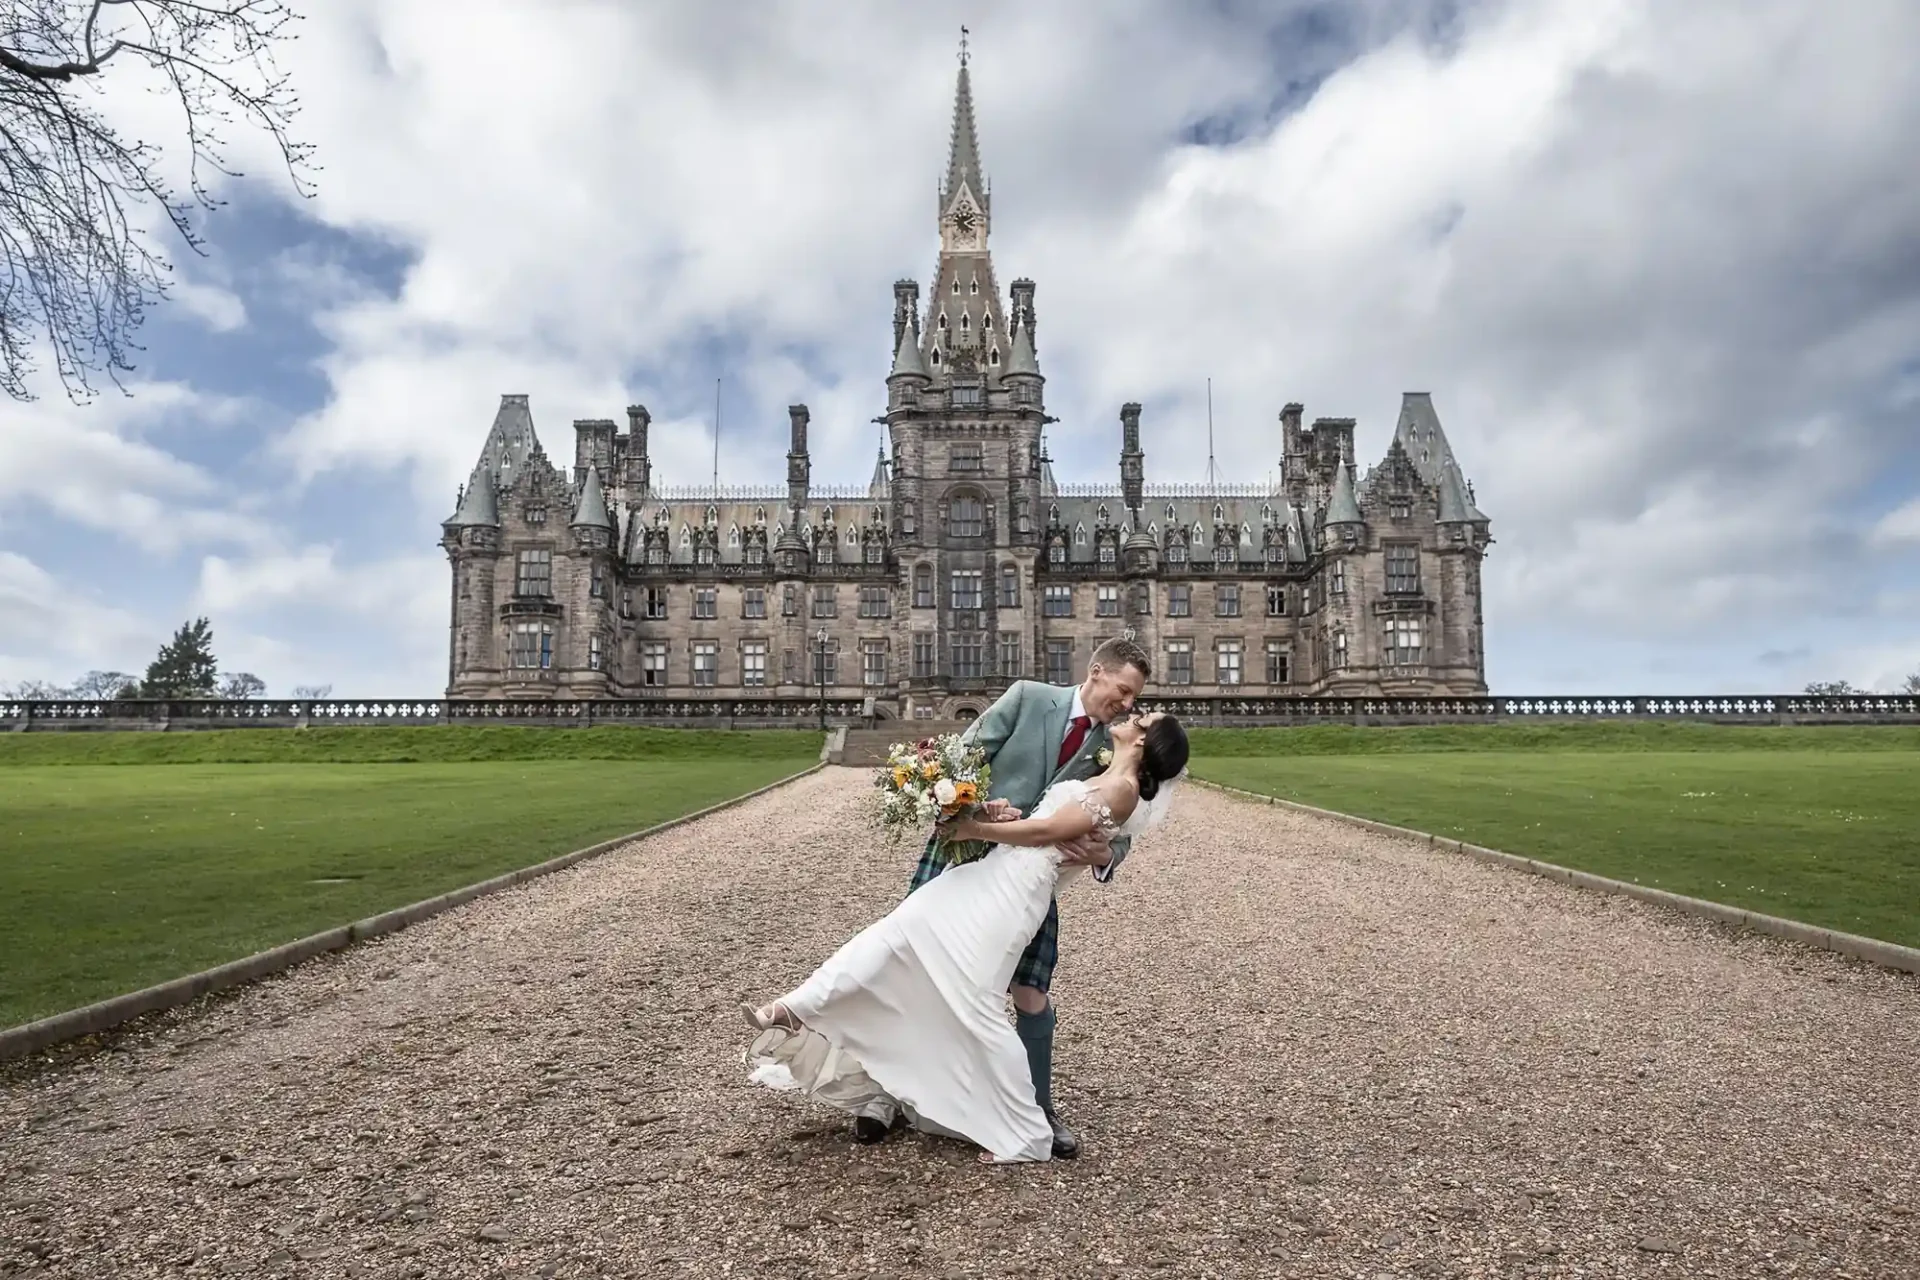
(1103, 757)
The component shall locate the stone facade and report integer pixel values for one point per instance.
(962, 564)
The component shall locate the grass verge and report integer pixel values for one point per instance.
(115, 878)
(1826, 837)
(404, 744)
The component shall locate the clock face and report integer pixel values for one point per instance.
(964, 221)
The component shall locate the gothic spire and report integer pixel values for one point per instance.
(963, 152)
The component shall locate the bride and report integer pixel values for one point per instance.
(912, 1010)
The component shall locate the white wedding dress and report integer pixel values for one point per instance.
(912, 1012)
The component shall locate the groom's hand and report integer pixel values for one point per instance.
(1087, 851)
(999, 811)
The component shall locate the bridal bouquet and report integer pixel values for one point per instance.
(934, 781)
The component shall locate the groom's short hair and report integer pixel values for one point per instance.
(1122, 652)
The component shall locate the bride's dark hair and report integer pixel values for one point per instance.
(1163, 754)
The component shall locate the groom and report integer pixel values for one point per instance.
(1034, 736)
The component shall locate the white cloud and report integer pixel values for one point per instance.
(219, 309)
(55, 631)
(94, 466)
(1901, 525)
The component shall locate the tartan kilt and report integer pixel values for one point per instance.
(1036, 962)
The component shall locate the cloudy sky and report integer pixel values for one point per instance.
(1658, 263)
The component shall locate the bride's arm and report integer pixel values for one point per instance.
(1067, 822)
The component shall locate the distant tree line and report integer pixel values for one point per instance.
(1841, 689)
(184, 668)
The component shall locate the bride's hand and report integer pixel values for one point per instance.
(999, 811)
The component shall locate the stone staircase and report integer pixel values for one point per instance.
(865, 748)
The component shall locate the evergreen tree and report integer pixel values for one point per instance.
(184, 667)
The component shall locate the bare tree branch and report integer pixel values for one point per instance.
(77, 269)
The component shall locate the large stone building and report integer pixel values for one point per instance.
(962, 564)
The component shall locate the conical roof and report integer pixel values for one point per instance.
(1342, 507)
(592, 510)
(1021, 359)
(907, 359)
(882, 481)
(479, 505)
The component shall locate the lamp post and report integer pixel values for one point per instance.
(820, 660)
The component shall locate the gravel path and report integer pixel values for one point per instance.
(1292, 1049)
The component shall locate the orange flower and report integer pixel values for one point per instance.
(965, 793)
(900, 776)
(930, 770)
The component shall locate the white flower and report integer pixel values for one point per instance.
(1103, 757)
(944, 792)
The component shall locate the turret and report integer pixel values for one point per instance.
(1344, 522)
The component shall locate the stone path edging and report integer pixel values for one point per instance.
(1888, 955)
(32, 1037)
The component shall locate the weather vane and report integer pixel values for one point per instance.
(963, 46)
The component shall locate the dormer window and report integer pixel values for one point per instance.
(733, 536)
(974, 285)
(759, 515)
(963, 322)
(993, 356)
(956, 291)
(936, 355)
(1218, 513)
(1079, 535)
(943, 319)
(986, 322)
(1103, 513)
(1169, 513)
(713, 515)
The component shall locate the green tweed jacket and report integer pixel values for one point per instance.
(1021, 734)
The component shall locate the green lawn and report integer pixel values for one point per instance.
(1818, 825)
(116, 877)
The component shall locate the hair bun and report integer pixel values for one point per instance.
(1149, 786)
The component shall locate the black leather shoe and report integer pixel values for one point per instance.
(1065, 1145)
(867, 1130)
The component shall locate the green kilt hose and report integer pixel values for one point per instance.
(1036, 962)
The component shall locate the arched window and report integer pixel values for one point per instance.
(986, 322)
(956, 284)
(1103, 513)
(759, 515)
(963, 323)
(966, 517)
(943, 319)
(713, 515)
(1169, 513)
(993, 356)
(686, 537)
(853, 535)
(733, 536)
(936, 355)
(974, 286)
(1080, 535)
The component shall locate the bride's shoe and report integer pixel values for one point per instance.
(768, 1016)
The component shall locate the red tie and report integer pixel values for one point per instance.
(1076, 734)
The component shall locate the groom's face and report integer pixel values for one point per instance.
(1109, 692)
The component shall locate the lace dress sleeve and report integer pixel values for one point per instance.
(1100, 810)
